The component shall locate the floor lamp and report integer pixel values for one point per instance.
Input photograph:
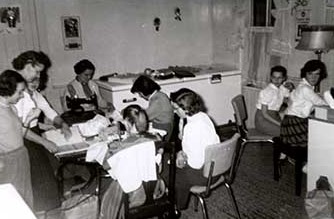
(317, 38)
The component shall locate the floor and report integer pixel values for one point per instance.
(257, 194)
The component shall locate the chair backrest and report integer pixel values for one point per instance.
(223, 156)
(240, 112)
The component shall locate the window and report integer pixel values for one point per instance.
(261, 13)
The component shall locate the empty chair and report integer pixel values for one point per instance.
(220, 159)
(247, 135)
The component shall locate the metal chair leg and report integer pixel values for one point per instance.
(201, 200)
(196, 203)
(230, 191)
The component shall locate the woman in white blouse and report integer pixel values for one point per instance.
(294, 126)
(198, 133)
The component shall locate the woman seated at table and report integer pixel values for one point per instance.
(160, 110)
(82, 94)
(136, 124)
(294, 127)
(14, 159)
(198, 133)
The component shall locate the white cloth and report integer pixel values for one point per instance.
(37, 100)
(329, 99)
(133, 165)
(97, 152)
(198, 133)
(303, 99)
(272, 96)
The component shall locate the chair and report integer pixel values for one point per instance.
(220, 159)
(163, 207)
(247, 135)
(299, 154)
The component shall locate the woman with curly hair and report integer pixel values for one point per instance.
(198, 133)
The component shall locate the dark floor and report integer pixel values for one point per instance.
(257, 194)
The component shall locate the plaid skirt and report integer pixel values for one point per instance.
(294, 131)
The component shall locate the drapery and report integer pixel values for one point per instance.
(266, 47)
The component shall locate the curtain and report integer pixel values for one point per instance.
(267, 47)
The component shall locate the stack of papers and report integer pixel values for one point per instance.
(93, 126)
(75, 143)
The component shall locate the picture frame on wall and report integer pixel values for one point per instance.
(10, 18)
(71, 32)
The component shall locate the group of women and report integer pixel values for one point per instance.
(25, 154)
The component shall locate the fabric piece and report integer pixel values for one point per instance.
(197, 135)
(44, 182)
(24, 105)
(294, 131)
(111, 204)
(87, 90)
(265, 126)
(272, 96)
(80, 93)
(303, 99)
(11, 135)
(15, 169)
(160, 110)
(133, 165)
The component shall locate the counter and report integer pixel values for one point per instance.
(320, 151)
(217, 85)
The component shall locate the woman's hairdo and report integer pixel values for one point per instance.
(279, 68)
(313, 65)
(190, 102)
(136, 116)
(30, 57)
(8, 82)
(83, 65)
(144, 85)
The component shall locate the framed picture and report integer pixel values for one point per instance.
(10, 16)
(71, 32)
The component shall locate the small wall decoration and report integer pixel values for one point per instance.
(10, 18)
(156, 23)
(71, 32)
(302, 19)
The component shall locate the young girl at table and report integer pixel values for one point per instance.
(198, 133)
(14, 159)
(271, 101)
(160, 110)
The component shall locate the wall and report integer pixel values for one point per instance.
(119, 36)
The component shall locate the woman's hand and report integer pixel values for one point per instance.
(50, 146)
(65, 129)
(181, 159)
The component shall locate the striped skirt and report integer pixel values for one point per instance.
(294, 131)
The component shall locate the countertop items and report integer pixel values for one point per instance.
(216, 84)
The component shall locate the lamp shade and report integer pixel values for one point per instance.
(316, 38)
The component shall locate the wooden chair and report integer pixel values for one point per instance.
(247, 135)
(220, 159)
(299, 154)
